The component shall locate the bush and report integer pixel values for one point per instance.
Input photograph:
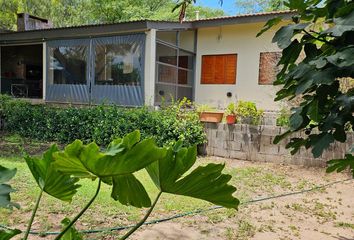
(248, 112)
(101, 124)
(283, 117)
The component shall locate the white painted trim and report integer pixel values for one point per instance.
(149, 72)
(44, 63)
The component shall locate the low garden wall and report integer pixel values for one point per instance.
(255, 143)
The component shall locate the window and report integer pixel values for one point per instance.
(219, 69)
(268, 68)
(117, 64)
(174, 67)
(68, 65)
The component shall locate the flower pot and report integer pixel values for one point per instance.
(231, 119)
(213, 117)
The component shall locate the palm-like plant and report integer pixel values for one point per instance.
(58, 172)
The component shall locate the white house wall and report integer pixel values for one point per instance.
(240, 39)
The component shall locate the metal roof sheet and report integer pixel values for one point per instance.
(133, 26)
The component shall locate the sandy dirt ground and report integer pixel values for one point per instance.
(323, 214)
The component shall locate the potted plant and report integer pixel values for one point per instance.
(248, 113)
(231, 115)
(209, 114)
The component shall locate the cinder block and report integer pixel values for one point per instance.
(236, 145)
(238, 155)
(220, 152)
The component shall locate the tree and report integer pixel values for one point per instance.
(77, 12)
(317, 63)
(254, 6)
(323, 32)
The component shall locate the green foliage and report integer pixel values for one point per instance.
(49, 179)
(5, 189)
(102, 124)
(58, 171)
(247, 6)
(207, 183)
(8, 234)
(317, 57)
(204, 108)
(114, 165)
(72, 233)
(340, 165)
(283, 117)
(5, 199)
(248, 112)
(231, 109)
(78, 12)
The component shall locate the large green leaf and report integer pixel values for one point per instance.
(207, 182)
(269, 24)
(128, 190)
(320, 143)
(341, 25)
(340, 165)
(8, 234)
(284, 35)
(5, 189)
(49, 179)
(123, 156)
(72, 233)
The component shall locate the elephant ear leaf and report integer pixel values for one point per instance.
(5, 189)
(49, 179)
(72, 233)
(207, 183)
(128, 190)
(8, 234)
(123, 156)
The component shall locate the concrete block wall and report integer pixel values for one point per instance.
(255, 143)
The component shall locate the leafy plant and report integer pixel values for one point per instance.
(231, 109)
(58, 172)
(248, 112)
(283, 117)
(204, 108)
(102, 124)
(317, 57)
(5, 199)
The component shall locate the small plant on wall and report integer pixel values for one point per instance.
(231, 114)
(248, 113)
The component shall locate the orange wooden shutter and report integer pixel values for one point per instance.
(219, 69)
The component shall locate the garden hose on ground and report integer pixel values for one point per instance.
(187, 213)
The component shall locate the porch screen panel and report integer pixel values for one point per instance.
(67, 73)
(118, 70)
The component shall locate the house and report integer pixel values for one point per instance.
(210, 61)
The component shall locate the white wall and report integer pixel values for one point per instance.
(240, 39)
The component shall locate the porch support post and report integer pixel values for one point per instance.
(44, 87)
(150, 63)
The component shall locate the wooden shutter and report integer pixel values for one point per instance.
(219, 69)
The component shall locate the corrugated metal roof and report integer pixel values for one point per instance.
(246, 16)
(137, 25)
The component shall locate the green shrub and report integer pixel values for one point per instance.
(248, 112)
(102, 124)
(283, 117)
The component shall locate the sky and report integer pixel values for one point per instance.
(228, 6)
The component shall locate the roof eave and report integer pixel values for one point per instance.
(240, 20)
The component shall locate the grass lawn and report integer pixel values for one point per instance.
(281, 218)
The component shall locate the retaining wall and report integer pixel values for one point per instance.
(255, 143)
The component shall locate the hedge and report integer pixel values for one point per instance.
(100, 123)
